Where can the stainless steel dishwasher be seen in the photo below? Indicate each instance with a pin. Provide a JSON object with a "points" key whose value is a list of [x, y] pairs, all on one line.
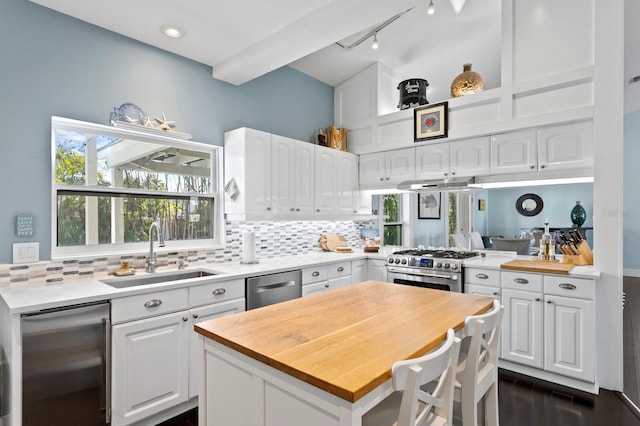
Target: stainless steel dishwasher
{"points": [[65, 366], [266, 290]]}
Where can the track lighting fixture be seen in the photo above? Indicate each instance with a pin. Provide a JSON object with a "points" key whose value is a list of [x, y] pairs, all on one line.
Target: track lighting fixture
{"points": [[431, 9], [375, 44]]}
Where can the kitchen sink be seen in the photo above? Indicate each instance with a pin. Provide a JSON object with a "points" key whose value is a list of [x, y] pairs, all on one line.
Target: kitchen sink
{"points": [[155, 278]]}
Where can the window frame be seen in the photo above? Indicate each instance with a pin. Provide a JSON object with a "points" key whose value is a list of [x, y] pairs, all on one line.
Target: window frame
{"points": [[215, 192]]}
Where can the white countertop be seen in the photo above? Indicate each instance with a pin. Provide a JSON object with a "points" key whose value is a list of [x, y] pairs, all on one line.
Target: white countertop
{"points": [[493, 260], [37, 296]]}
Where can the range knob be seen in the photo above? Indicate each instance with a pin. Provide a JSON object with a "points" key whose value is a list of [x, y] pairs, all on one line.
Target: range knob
{"points": [[397, 261], [390, 260], [439, 265], [404, 261], [446, 266], [454, 266]]}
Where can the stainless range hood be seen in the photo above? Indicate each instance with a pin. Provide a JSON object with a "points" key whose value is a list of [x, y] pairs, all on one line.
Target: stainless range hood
{"points": [[451, 184]]}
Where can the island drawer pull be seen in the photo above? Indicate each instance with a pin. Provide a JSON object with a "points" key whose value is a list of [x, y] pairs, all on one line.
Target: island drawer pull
{"points": [[153, 303], [521, 280], [340, 269], [315, 274], [219, 291], [567, 286], [482, 276]]}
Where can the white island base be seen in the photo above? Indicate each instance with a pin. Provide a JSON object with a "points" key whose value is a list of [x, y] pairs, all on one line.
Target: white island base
{"points": [[237, 390]]}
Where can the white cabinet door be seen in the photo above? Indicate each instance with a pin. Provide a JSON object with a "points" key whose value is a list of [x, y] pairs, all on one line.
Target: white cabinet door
{"points": [[304, 178], [150, 366], [522, 327], [372, 169], [568, 146], [400, 166], [282, 175], [319, 287], [377, 270], [569, 337], [339, 282], [433, 161], [325, 181], [514, 152], [470, 157], [358, 271], [247, 159], [196, 345], [346, 191]]}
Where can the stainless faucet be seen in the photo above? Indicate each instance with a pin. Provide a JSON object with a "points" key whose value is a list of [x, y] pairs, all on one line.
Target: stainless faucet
{"points": [[152, 260]]}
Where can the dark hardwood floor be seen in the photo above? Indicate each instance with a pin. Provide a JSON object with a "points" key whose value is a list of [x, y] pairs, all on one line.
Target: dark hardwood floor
{"points": [[530, 402]]}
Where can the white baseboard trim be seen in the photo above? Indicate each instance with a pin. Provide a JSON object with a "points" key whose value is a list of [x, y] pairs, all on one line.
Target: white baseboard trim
{"points": [[592, 388], [631, 273]]}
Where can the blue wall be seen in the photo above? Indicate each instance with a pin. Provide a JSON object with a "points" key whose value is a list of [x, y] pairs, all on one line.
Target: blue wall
{"points": [[631, 199], [56, 65], [558, 200]]}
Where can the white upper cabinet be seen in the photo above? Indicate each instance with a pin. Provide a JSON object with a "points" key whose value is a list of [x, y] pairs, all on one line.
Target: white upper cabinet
{"points": [[247, 160], [463, 158], [283, 178], [387, 169], [514, 152], [568, 146]]}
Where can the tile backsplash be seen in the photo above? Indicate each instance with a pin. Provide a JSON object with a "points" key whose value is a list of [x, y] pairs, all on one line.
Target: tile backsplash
{"points": [[273, 239]]}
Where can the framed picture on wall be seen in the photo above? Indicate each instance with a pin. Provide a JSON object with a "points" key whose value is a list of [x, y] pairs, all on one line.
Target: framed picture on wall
{"points": [[429, 205], [430, 122]]}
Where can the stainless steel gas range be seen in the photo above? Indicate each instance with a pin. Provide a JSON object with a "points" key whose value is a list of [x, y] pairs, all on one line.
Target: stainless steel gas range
{"points": [[430, 268]]}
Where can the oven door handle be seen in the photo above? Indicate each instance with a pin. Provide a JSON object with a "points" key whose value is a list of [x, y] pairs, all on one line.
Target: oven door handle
{"points": [[401, 271]]}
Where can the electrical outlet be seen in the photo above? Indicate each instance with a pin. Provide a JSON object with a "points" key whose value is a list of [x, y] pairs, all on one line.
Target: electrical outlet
{"points": [[26, 252]]}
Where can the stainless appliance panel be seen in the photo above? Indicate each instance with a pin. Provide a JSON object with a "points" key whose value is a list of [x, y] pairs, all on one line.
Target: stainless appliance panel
{"points": [[65, 366], [435, 281], [266, 290]]}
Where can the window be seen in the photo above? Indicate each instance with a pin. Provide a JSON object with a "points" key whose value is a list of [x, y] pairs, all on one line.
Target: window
{"points": [[109, 184], [392, 219]]}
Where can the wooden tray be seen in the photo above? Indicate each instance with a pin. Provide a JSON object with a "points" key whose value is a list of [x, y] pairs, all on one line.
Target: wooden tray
{"points": [[540, 266]]}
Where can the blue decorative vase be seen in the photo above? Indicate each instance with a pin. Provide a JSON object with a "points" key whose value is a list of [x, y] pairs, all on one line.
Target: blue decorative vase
{"points": [[578, 215]]}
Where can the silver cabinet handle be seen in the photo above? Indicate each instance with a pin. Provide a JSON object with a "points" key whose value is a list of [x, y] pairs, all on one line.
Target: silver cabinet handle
{"points": [[542, 166], [340, 269], [521, 280], [549, 301], [297, 210], [292, 209], [185, 319], [267, 287], [482, 276], [537, 299], [317, 210], [567, 286], [326, 285], [381, 178], [495, 293], [195, 315], [453, 173], [532, 167], [153, 303], [315, 274], [268, 208], [219, 291]]}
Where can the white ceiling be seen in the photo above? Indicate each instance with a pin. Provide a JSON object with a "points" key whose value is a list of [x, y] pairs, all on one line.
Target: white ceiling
{"points": [[243, 39]]}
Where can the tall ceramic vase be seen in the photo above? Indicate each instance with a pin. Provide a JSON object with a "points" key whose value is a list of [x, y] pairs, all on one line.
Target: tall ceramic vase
{"points": [[578, 215]]}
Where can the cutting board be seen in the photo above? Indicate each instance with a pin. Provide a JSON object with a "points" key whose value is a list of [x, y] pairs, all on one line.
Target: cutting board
{"points": [[540, 266]]}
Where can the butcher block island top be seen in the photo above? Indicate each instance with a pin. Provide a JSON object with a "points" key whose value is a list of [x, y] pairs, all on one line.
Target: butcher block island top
{"points": [[345, 341]]}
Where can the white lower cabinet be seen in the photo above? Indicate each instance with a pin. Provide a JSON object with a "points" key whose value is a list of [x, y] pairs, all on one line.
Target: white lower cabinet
{"points": [[377, 270], [321, 278], [155, 364], [551, 327], [358, 271], [150, 366]]}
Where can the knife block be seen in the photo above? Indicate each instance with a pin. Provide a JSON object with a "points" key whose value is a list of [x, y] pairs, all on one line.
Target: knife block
{"points": [[584, 258]]}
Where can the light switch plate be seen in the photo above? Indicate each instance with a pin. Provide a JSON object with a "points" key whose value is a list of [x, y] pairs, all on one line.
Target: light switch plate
{"points": [[26, 252]]}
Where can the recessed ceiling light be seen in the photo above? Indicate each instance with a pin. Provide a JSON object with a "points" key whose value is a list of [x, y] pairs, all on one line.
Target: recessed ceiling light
{"points": [[172, 31]]}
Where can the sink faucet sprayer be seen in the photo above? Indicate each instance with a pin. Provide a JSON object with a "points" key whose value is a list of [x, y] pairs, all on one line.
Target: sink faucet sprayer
{"points": [[152, 260]]}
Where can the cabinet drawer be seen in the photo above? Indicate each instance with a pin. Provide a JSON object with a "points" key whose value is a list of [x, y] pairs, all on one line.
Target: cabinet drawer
{"points": [[216, 292], [521, 281], [148, 305], [482, 290], [571, 287], [481, 276], [336, 270], [315, 274]]}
